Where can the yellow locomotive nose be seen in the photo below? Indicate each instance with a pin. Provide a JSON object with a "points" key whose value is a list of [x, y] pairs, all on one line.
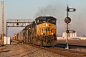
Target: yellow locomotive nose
{"points": [[46, 29]]}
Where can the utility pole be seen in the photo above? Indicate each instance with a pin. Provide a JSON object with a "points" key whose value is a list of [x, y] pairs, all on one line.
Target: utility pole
{"points": [[3, 21]]}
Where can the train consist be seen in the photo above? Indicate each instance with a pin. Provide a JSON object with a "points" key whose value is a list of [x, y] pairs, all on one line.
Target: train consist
{"points": [[41, 32]]}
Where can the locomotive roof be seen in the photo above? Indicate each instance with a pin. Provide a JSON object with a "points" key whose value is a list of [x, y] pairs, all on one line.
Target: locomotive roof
{"points": [[45, 17]]}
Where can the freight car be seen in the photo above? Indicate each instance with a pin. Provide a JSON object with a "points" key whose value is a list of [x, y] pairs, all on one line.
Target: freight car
{"points": [[41, 32]]}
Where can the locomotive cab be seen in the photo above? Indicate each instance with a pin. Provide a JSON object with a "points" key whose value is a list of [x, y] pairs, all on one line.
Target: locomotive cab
{"points": [[46, 26]]}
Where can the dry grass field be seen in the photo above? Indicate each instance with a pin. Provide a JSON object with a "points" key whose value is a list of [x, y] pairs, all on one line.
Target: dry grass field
{"points": [[79, 45]]}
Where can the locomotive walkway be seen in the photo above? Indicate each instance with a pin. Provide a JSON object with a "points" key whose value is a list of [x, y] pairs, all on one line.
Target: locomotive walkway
{"points": [[22, 50]]}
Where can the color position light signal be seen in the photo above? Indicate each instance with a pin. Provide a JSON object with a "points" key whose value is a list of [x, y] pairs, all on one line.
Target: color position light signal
{"points": [[67, 20]]}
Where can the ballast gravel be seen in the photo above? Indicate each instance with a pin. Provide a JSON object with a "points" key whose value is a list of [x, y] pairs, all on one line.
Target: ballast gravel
{"points": [[22, 50]]}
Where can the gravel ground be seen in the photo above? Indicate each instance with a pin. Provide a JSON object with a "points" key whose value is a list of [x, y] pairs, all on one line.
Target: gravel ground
{"points": [[79, 49], [23, 50]]}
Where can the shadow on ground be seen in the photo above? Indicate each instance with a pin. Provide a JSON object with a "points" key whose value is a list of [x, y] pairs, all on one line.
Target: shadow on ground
{"points": [[4, 51], [70, 46], [2, 45]]}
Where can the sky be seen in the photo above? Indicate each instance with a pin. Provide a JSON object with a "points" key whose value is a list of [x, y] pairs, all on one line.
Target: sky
{"points": [[31, 9]]}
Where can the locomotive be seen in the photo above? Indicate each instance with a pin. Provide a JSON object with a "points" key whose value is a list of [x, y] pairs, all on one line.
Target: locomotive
{"points": [[41, 32]]}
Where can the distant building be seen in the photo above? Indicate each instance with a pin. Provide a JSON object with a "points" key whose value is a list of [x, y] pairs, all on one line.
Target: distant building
{"points": [[71, 34], [64, 34]]}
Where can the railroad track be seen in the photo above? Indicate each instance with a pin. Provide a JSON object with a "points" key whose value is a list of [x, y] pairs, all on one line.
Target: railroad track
{"points": [[64, 52]]}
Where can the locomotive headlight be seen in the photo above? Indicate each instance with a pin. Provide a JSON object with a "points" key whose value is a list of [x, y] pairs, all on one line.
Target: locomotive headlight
{"points": [[29, 28], [46, 24], [52, 33], [41, 33]]}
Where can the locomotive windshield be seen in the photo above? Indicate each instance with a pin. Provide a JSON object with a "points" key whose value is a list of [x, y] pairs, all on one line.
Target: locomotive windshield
{"points": [[51, 20], [46, 19], [41, 20]]}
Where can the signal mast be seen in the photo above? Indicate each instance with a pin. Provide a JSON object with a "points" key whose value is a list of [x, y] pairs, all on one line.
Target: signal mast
{"points": [[67, 21]]}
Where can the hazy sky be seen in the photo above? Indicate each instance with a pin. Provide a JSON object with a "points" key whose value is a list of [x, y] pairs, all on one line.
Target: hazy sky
{"points": [[30, 9]]}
